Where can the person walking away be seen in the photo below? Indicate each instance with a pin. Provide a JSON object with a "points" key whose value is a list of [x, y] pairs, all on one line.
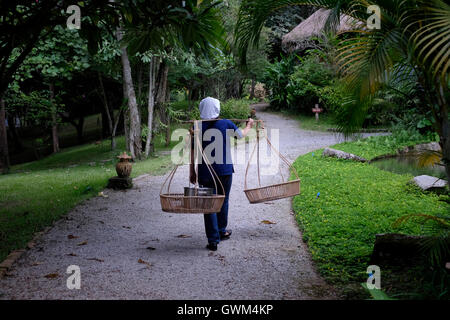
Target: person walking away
{"points": [[216, 223]]}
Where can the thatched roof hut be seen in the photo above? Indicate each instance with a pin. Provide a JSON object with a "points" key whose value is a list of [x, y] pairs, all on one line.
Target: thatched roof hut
{"points": [[300, 37]]}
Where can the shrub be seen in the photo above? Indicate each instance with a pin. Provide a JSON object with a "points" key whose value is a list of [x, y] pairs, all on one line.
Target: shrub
{"points": [[276, 79], [313, 82], [332, 97], [230, 109], [180, 105], [234, 108]]}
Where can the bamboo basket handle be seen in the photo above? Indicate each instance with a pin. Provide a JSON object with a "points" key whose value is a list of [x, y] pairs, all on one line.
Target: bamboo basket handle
{"points": [[251, 157], [171, 174], [208, 164], [248, 165], [291, 167], [196, 153]]}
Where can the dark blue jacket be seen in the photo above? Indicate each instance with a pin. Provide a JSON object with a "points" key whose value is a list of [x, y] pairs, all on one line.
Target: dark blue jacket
{"points": [[227, 130]]}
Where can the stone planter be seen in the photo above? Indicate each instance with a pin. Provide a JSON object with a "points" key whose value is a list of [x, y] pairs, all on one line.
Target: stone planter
{"points": [[124, 167]]}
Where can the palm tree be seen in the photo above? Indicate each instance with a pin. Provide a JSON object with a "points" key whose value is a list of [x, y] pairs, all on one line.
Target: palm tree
{"points": [[414, 37], [158, 26]]}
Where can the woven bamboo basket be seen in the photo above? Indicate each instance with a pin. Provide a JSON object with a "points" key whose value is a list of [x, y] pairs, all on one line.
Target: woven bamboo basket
{"points": [[179, 203], [275, 191]]}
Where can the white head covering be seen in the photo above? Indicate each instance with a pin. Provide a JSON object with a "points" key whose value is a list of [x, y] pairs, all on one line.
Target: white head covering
{"points": [[209, 108]]}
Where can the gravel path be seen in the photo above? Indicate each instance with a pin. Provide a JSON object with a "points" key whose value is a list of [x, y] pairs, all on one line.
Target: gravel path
{"points": [[127, 248]]}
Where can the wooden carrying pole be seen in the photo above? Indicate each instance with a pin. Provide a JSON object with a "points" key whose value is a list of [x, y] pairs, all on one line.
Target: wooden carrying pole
{"points": [[234, 120]]}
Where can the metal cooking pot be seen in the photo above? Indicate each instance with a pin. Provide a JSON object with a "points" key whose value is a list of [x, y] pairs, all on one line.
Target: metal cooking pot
{"points": [[200, 191]]}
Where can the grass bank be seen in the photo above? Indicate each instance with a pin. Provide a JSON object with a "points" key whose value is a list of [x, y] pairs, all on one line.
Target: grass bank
{"points": [[356, 202], [376, 146], [38, 193]]}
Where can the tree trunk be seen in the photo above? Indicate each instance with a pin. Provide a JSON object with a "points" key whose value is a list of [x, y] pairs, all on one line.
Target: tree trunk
{"points": [[151, 102], [4, 154], [14, 135], [135, 140], [108, 112], [139, 81], [168, 130], [54, 120], [161, 97], [252, 90], [189, 98], [79, 128], [233, 88], [126, 121], [113, 133]]}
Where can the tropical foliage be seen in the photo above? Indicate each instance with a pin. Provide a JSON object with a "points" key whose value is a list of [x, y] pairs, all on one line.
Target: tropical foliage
{"points": [[413, 38]]}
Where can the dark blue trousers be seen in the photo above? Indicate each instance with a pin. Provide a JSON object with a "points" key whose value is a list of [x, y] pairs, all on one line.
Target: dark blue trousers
{"points": [[216, 223]]}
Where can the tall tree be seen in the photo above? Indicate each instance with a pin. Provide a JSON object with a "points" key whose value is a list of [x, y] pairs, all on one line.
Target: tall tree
{"points": [[24, 23], [159, 25], [57, 58], [134, 129], [4, 154], [153, 70]]}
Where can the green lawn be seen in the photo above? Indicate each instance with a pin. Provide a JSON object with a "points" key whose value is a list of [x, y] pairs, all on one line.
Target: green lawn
{"points": [[309, 123], [357, 201], [37, 193]]}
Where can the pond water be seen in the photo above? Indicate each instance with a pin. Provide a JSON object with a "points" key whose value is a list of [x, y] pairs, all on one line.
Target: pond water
{"points": [[409, 164]]}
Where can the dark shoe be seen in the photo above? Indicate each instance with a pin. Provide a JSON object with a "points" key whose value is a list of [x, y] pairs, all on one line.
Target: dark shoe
{"points": [[212, 246], [226, 235]]}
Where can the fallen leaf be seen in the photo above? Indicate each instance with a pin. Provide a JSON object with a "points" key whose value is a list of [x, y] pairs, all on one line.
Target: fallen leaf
{"points": [[145, 262], [101, 194], [52, 276], [36, 264], [96, 259], [76, 188], [83, 243], [183, 236], [268, 222], [71, 236]]}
